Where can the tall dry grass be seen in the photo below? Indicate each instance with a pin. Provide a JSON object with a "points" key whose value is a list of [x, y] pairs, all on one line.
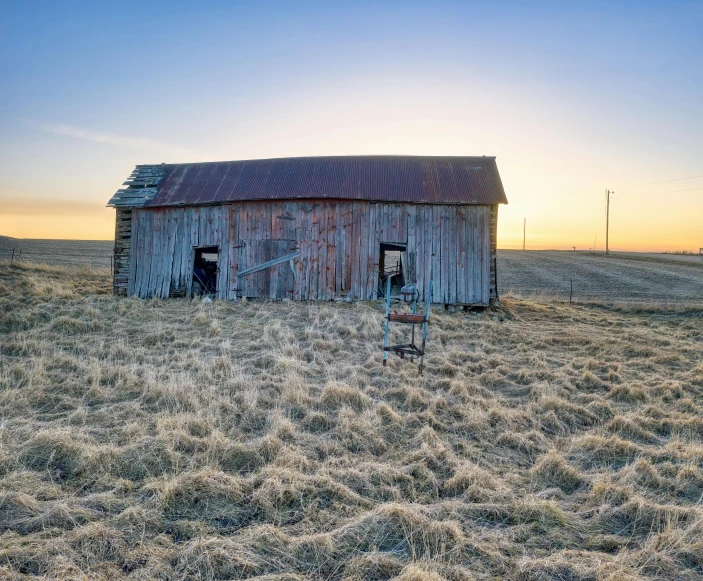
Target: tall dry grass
{"points": [[180, 440]]}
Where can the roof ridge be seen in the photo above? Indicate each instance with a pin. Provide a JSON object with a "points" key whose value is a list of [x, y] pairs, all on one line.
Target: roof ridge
{"points": [[426, 179], [363, 156]]}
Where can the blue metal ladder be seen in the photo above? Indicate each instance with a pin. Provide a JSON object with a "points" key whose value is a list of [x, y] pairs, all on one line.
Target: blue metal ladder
{"points": [[409, 295]]}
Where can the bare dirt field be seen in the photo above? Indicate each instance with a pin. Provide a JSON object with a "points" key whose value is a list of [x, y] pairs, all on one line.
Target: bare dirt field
{"points": [[90, 253], [621, 276], [187, 441]]}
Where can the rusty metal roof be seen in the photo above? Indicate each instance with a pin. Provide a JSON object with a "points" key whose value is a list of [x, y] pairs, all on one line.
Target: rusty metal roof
{"points": [[391, 178]]}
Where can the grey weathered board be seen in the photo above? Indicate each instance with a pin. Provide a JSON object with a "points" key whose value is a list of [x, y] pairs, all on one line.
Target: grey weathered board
{"points": [[338, 241]]}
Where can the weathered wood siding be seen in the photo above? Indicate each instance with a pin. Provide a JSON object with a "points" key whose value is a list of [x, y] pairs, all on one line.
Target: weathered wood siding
{"points": [[339, 242], [121, 250]]}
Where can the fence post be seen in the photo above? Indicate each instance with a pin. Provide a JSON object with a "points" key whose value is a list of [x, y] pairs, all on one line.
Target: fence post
{"points": [[571, 290], [12, 260]]}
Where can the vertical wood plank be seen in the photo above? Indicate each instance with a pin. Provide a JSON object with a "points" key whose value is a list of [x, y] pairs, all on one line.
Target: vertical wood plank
{"points": [[485, 253], [224, 260], [331, 229], [354, 251], [371, 252], [338, 250], [133, 253], [185, 248], [178, 249], [232, 244], [299, 263], [322, 251], [170, 252], [437, 294], [346, 248], [377, 228], [153, 254], [445, 254], [420, 251], [364, 208], [475, 257], [452, 244], [314, 251], [460, 255]]}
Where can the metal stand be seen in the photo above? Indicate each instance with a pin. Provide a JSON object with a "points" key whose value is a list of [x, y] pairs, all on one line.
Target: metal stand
{"points": [[409, 294]]}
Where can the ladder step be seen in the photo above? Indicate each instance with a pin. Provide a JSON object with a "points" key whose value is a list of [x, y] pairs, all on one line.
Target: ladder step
{"points": [[406, 318]]}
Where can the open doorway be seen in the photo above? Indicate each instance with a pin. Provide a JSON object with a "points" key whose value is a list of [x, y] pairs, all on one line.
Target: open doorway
{"points": [[391, 265], [205, 270]]}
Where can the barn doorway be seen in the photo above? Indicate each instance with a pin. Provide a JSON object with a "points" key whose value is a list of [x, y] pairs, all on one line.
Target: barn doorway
{"points": [[205, 259], [391, 263]]}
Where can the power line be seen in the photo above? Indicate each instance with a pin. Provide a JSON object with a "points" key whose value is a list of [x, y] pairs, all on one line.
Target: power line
{"points": [[669, 181], [658, 193]]}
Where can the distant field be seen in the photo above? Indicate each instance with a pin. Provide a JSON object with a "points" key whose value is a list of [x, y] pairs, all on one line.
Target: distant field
{"points": [[622, 276], [94, 253]]}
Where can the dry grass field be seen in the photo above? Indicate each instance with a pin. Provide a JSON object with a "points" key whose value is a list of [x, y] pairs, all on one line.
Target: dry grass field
{"points": [[178, 440]]}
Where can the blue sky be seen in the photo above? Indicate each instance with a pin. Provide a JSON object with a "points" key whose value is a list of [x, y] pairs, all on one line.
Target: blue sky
{"points": [[572, 98]]}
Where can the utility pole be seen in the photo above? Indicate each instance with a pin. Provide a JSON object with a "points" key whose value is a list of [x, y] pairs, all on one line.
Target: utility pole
{"points": [[524, 231], [607, 219]]}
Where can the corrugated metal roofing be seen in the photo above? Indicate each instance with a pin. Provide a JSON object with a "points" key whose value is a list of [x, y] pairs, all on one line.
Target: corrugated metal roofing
{"points": [[393, 178]]}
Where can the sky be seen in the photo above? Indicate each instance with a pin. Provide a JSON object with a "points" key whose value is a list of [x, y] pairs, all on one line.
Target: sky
{"points": [[572, 98]]}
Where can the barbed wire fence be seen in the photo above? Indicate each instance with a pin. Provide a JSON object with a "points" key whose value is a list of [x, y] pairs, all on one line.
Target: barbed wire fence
{"points": [[18, 255]]}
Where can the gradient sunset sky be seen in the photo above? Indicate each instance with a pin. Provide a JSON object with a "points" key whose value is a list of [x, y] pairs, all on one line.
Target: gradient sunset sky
{"points": [[572, 98]]}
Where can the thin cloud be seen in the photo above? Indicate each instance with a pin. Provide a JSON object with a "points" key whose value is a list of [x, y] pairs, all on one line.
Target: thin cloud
{"points": [[140, 143]]}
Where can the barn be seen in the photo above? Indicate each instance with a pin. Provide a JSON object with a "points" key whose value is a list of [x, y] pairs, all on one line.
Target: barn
{"points": [[310, 228]]}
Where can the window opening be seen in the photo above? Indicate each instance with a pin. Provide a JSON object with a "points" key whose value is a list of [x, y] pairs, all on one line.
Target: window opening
{"points": [[390, 265], [205, 270]]}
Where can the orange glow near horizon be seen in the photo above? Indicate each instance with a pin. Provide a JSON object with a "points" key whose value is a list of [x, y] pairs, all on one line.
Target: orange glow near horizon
{"points": [[633, 231]]}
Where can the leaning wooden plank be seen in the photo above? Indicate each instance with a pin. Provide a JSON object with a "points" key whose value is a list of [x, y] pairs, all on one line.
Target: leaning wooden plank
{"points": [[269, 264]]}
